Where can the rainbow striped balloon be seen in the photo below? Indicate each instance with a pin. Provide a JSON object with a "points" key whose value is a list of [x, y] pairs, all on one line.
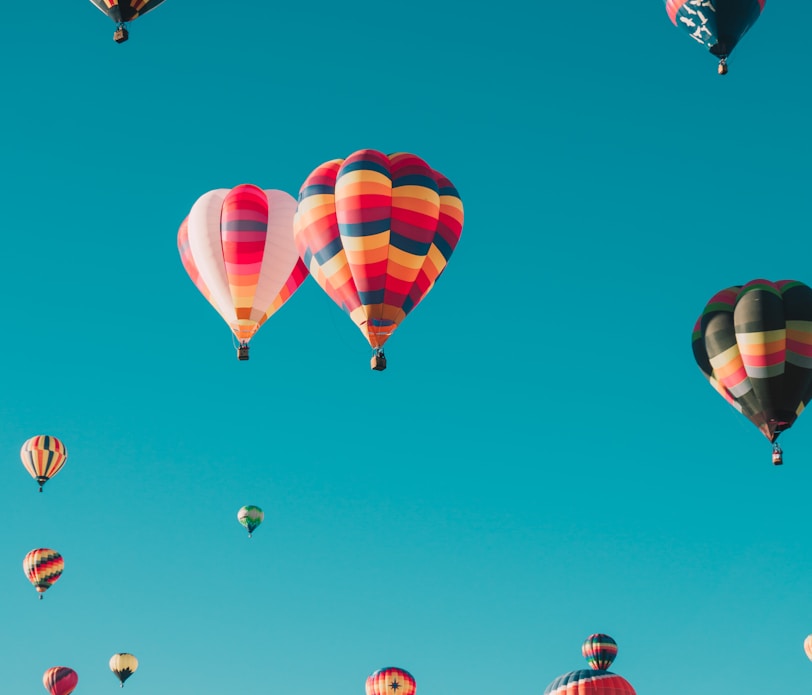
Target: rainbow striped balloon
{"points": [[43, 567], [237, 247], [376, 231], [599, 650], [43, 457], [391, 681]]}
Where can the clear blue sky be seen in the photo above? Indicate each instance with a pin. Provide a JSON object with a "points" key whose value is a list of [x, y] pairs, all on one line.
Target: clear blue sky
{"points": [[541, 460]]}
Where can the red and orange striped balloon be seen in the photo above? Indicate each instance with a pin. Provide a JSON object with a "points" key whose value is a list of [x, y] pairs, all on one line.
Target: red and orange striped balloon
{"points": [[43, 567], [376, 231], [391, 681], [60, 680], [43, 457]]}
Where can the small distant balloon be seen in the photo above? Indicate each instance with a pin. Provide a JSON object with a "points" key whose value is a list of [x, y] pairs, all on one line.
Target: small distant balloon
{"points": [[43, 567], [43, 457], [599, 650], [391, 681], [808, 647], [60, 680], [123, 665], [251, 517]]}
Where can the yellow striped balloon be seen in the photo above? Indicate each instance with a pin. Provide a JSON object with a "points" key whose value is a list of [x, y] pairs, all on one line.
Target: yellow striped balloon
{"points": [[43, 457]]}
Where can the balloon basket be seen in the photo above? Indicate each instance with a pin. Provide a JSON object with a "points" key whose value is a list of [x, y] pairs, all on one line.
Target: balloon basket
{"points": [[242, 353], [378, 362], [120, 35]]}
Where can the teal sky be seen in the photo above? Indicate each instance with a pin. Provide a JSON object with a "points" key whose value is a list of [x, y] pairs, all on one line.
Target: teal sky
{"points": [[541, 460]]}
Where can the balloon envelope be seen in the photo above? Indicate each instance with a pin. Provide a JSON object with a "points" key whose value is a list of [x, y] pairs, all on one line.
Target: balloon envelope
{"points": [[125, 10], [123, 665], [808, 647], [250, 516], [376, 231], [237, 247], [717, 24], [43, 457], [590, 682], [60, 680], [599, 650], [754, 345], [43, 567], [391, 681]]}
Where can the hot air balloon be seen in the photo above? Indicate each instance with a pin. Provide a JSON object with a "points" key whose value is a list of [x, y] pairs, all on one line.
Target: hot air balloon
{"points": [[376, 231], [237, 247], [43, 457], [808, 647], [43, 567], [599, 650], [250, 517], [123, 11], [754, 344], [60, 680], [123, 666], [594, 680], [717, 24], [391, 681]]}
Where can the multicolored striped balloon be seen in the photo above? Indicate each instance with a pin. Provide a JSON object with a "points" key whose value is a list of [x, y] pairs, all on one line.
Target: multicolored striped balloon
{"points": [[43, 457], [599, 650], [376, 231], [391, 681], [716, 24], [60, 680], [754, 345], [250, 516], [43, 567], [237, 247], [123, 665]]}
